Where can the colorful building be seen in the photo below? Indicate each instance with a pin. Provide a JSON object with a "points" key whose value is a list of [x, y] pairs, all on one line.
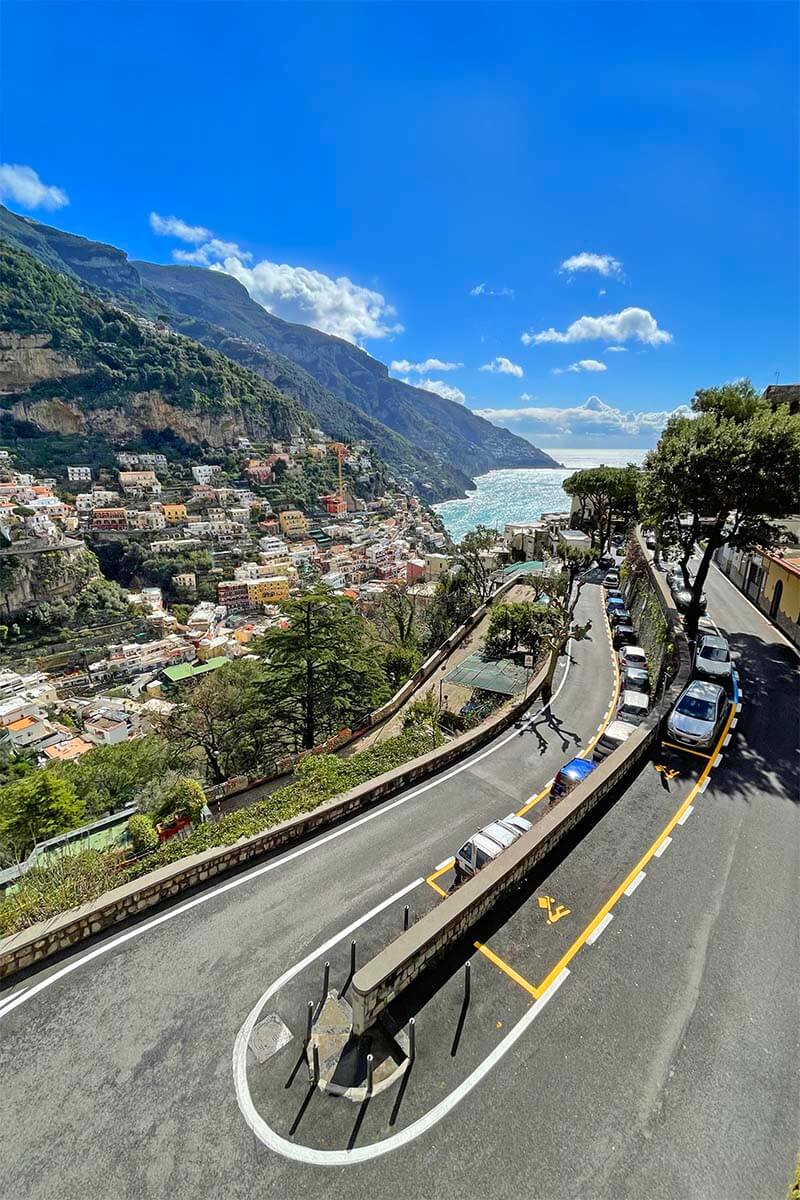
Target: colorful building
{"points": [[272, 590]]}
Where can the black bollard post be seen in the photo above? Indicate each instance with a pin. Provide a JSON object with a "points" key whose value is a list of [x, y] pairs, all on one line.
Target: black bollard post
{"points": [[467, 979], [309, 1020], [326, 978], [412, 1039], [315, 1058], [369, 1075], [352, 959], [405, 918]]}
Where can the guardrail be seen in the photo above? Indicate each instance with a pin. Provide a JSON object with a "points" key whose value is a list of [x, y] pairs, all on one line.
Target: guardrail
{"points": [[28, 946], [404, 960]]}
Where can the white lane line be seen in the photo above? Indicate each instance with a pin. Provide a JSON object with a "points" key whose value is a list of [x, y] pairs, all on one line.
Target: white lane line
{"points": [[631, 888], [727, 739], [339, 1158], [703, 785], [733, 722], [595, 934], [447, 863], [6, 1001], [717, 760], [685, 817], [663, 846], [272, 865]]}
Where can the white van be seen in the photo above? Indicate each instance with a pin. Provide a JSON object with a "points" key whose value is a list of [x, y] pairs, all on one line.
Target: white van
{"points": [[633, 707], [485, 845], [615, 734]]}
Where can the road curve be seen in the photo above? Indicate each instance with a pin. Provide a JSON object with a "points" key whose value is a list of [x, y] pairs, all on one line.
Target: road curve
{"points": [[667, 1067]]}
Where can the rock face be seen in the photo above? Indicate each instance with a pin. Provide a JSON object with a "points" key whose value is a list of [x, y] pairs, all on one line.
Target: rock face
{"points": [[26, 359], [142, 410], [31, 575]]}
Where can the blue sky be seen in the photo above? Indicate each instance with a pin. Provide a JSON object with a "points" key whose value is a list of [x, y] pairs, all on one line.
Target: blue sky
{"points": [[618, 183]]}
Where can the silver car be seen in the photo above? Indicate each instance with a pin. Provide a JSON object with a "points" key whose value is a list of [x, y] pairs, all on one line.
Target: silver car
{"points": [[712, 658], [696, 718]]}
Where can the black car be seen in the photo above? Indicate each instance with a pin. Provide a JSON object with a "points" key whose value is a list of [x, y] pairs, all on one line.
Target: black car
{"points": [[683, 598], [619, 616], [605, 561], [624, 635]]}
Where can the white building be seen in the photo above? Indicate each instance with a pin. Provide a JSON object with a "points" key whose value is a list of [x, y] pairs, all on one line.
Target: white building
{"points": [[97, 498], [79, 474], [205, 472]]}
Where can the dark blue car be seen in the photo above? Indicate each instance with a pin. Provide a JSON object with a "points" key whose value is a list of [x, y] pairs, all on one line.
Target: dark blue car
{"points": [[570, 775]]}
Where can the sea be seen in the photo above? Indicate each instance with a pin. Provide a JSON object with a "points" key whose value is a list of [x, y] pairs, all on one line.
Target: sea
{"points": [[524, 494]]}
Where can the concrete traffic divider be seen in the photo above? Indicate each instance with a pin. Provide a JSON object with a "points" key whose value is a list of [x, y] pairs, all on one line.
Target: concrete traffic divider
{"points": [[404, 960]]}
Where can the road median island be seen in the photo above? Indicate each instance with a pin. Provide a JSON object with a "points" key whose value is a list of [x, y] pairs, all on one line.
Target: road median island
{"points": [[379, 982], [35, 943]]}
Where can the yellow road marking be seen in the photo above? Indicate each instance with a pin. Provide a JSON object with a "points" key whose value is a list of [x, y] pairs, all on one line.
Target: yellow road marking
{"points": [[527, 807], [586, 752], [686, 750], [431, 879], [643, 861], [507, 970]]}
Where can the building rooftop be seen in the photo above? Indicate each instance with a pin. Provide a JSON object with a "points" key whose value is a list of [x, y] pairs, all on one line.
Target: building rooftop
{"points": [[182, 671]]}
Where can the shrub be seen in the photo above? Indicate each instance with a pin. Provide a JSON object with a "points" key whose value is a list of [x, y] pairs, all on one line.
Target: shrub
{"points": [[71, 880], [142, 833]]}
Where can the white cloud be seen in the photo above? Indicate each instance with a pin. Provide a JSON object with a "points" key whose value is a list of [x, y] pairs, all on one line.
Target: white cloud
{"points": [[481, 289], [604, 264], [175, 227], [336, 306], [212, 251], [502, 366], [593, 418], [616, 350], [601, 291], [439, 388], [22, 185], [584, 364], [630, 323], [423, 368]]}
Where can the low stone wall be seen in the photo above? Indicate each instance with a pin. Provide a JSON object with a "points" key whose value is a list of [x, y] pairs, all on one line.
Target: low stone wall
{"points": [[404, 960], [38, 942], [285, 766]]}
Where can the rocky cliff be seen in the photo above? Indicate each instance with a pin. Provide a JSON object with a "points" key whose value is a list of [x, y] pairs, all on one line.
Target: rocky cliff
{"points": [[32, 574]]}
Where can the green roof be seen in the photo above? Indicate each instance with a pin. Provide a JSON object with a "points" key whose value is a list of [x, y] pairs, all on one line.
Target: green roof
{"points": [[183, 671]]}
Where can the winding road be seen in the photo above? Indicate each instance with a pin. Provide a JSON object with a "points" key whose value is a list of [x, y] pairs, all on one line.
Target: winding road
{"points": [[662, 1060]]}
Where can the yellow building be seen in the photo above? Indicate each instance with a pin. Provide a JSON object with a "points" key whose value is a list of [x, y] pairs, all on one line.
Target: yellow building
{"points": [[173, 513], [293, 523], [780, 591], [268, 591]]}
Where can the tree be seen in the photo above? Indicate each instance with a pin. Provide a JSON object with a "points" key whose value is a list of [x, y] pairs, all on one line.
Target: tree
{"points": [[424, 714], [603, 493], [399, 664], [395, 617], [731, 470], [515, 626], [36, 808], [453, 601], [110, 777], [142, 833], [180, 612], [472, 561], [321, 672], [555, 625], [222, 718]]}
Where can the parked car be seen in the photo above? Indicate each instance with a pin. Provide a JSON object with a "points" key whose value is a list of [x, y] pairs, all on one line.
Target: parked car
{"points": [[605, 561], [612, 579], [624, 635], [677, 581], [683, 598], [613, 594], [650, 541], [619, 616], [632, 656], [485, 845], [712, 658], [615, 733], [615, 604], [635, 679], [570, 775], [700, 711], [633, 707]]}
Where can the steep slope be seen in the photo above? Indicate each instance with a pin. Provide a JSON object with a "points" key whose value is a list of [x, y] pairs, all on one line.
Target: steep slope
{"points": [[108, 269], [455, 442], [71, 363], [442, 426]]}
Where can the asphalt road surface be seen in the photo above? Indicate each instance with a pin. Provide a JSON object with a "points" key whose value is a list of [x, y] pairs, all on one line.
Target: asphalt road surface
{"points": [[666, 1063]]}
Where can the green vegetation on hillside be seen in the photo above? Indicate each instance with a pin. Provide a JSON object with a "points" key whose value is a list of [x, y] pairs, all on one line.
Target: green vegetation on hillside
{"points": [[121, 356]]}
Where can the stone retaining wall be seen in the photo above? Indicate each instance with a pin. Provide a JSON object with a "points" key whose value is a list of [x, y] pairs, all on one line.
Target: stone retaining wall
{"points": [[38, 942]]}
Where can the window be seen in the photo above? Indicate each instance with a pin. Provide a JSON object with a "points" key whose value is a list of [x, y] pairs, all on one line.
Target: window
{"points": [[481, 859], [466, 852]]}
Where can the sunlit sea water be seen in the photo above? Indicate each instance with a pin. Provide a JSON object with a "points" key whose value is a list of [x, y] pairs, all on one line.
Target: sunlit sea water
{"points": [[523, 495]]}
